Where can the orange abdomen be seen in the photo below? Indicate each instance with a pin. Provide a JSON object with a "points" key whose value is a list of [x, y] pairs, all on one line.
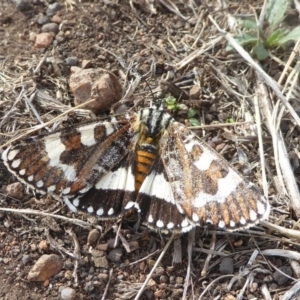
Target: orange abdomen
{"points": [[144, 161]]}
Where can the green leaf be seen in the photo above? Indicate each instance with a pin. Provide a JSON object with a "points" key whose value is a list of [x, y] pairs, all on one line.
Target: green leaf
{"points": [[260, 51], [194, 122], [244, 39], [276, 10], [170, 100], [230, 120], [247, 23], [192, 113], [293, 35], [274, 38]]}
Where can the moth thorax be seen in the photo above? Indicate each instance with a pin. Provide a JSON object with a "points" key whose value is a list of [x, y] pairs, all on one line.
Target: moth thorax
{"points": [[145, 155], [153, 121]]}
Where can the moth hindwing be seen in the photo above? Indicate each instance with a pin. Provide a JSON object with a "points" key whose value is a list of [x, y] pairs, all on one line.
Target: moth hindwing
{"points": [[145, 161]]}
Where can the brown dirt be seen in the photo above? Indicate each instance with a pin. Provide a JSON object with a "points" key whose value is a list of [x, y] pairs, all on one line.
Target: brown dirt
{"points": [[140, 37]]}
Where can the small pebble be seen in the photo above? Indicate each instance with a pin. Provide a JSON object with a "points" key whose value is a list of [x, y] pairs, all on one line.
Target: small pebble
{"points": [[26, 259], [15, 190], [72, 61], [22, 5], [159, 271], [42, 19], [50, 27], [93, 237], [101, 262], [226, 265], [179, 280], [43, 40], [45, 267], [56, 19], [53, 9], [115, 255], [280, 278], [68, 294], [89, 287], [163, 279]]}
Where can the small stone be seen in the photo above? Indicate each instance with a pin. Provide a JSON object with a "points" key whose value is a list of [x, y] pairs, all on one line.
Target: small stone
{"points": [[22, 5], [60, 37], [102, 247], [159, 271], [50, 27], [42, 19], [133, 245], [86, 64], [103, 277], [111, 243], [32, 36], [93, 237], [15, 190], [97, 253], [142, 266], [149, 294], [43, 245], [68, 293], [163, 279], [229, 297], [33, 247], [95, 84], [68, 275], [101, 262], [115, 255], [53, 9], [56, 19], [159, 294], [72, 61], [195, 92], [226, 265], [43, 40], [179, 280], [253, 287], [89, 287], [26, 259], [45, 267], [279, 277]]}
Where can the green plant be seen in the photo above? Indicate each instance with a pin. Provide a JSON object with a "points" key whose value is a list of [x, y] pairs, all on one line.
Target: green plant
{"points": [[191, 117], [172, 104], [272, 35]]}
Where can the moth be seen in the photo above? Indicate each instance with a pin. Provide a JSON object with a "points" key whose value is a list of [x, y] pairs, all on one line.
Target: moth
{"points": [[144, 161]]}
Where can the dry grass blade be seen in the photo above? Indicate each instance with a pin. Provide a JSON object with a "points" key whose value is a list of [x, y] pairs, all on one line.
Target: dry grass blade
{"points": [[107, 285], [261, 146], [283, 253], [291, 233], [139, 294], [195, 54], [284, 170], [191, 241], [173, 8], [291, 292], [77, 222], [265, 291], [201, 297]]}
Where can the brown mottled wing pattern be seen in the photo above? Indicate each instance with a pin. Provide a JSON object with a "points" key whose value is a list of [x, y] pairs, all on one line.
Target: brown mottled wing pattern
{"points": [[69, 162], [205, 186]]}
